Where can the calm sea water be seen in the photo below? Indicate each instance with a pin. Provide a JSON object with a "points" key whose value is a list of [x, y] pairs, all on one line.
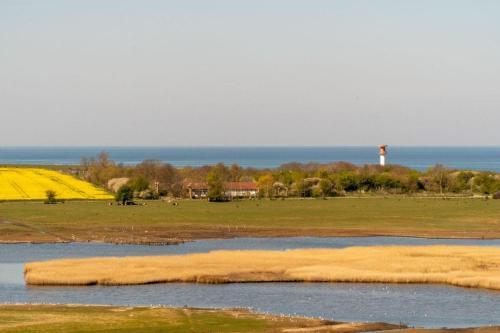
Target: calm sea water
{"points": [[477, 158], [418, 305]]}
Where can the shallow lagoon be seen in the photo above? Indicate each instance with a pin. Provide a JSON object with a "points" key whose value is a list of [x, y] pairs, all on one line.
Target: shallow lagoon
{"points": [[417, 305]]}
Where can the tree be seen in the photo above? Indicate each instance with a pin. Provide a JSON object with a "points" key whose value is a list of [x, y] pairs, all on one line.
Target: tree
{"points": [[412, 182], [265, 185], [125, 194], [326, 187], [349, 182], [439, 176], [385, 181], [298, 180], [51, 197], [486, 183], [168, 178], [366, 182], [101, 169], [462, 182], [235, 172], [139, 183], [284, 176], [215, 181]]}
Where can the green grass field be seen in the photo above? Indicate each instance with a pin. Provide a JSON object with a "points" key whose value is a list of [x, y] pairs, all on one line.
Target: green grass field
{"points": [[160, 221], [81, 319], [107, 319]]}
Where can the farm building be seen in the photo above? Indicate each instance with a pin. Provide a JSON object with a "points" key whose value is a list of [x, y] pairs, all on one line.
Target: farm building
{"points": [[196, 190], [241, 189], [199, 190]]}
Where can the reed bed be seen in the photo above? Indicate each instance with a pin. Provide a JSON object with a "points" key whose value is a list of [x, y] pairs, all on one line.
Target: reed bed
{"points": [[465, 266]]}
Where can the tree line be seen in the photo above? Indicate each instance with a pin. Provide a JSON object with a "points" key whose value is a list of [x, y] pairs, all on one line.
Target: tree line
{"points": [[151, 179]]}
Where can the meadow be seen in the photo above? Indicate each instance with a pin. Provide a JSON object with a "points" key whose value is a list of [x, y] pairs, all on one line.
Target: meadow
{"points": [[93, 319], [71, 318], [159, 221], [32, 184], [464, 266]]}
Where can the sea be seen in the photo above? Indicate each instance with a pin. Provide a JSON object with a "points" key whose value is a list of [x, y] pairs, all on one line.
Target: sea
{"points": [[416, 157]]}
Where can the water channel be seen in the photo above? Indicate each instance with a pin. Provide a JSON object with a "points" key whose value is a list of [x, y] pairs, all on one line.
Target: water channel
{"points": [[416, 305]]}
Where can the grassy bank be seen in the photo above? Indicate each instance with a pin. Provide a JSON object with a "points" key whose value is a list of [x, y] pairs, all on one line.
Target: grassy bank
{"points": [[455, 265], [90, 319], [162, 222], [63, 318]]}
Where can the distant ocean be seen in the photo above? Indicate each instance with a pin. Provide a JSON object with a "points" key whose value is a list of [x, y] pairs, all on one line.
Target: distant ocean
{"points": [[477, 158]]}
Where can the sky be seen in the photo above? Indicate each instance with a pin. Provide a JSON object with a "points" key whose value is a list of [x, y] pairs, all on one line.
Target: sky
{"points": [[249, 72]]}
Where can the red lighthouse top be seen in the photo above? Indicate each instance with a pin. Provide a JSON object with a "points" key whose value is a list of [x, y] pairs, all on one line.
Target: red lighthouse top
{"points": [[383, 150]]}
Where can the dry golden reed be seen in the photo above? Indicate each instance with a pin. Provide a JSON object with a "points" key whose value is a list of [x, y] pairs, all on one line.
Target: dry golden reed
{"points": [[464, 266]]}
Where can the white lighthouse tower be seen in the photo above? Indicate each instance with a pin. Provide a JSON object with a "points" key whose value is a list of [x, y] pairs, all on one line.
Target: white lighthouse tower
{"points": [[382, 153]]}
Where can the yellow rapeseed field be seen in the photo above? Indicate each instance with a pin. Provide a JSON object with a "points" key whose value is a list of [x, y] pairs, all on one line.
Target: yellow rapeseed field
{"points": [[466, 266], [32, 184]]}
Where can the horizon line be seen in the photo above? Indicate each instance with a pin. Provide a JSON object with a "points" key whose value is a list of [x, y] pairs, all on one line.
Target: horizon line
{"points": [[243, 146]]}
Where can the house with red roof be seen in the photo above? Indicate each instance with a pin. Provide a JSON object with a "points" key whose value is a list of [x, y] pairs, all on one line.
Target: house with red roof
{"points": [[233, 190], [241, 189]]}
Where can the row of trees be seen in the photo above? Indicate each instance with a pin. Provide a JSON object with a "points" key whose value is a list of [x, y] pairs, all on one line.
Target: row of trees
{"points": [[292, 179]]}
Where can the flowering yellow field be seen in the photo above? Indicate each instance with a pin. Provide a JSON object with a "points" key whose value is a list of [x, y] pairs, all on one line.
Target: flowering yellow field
{"points": [[32, 183]]}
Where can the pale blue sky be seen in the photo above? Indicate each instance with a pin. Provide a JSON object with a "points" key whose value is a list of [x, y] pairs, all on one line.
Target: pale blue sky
{"points": [[232, 72]]}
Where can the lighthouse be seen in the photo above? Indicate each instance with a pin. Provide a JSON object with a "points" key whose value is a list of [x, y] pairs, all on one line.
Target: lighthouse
{"points": [[382, 153]]}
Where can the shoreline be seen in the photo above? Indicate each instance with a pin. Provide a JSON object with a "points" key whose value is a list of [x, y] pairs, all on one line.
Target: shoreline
{"points": [[218, 234], [173, 243], [292, 235], [161, 317], [68, 315]]}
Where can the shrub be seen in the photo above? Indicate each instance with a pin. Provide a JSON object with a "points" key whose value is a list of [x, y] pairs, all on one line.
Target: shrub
{"points": [[349, 182], [147, 195], [51, 197], [139, 183], [486, 183], [326, 187], [462, 182], [124, 195]]}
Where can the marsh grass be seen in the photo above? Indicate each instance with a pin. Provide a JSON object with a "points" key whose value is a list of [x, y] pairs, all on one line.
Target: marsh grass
{"points": [[464, 266]]}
